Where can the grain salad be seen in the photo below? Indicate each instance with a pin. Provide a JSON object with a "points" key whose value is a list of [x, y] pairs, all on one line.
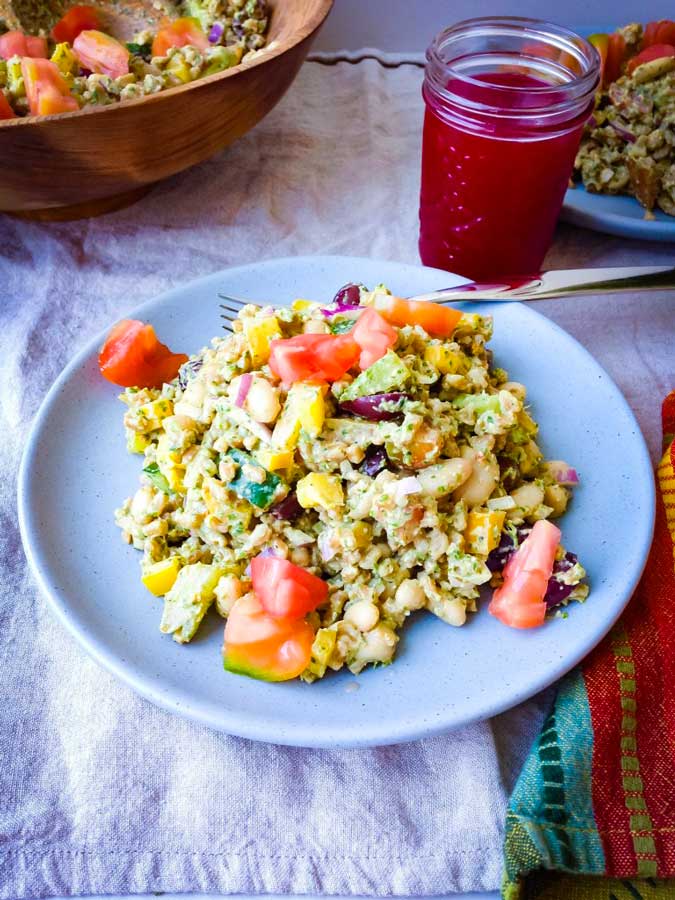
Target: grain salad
{"points": [[628, 147], [404, 480], [78, 64]]}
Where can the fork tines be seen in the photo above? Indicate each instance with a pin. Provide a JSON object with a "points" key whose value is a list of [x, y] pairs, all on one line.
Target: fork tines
{"points": [[231, 309]]}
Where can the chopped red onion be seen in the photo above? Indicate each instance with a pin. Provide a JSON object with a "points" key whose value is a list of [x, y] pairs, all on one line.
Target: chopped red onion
{"points": [[327, 546], [623, 133], [376, 407], [562, 472], [216, 32], [245, 383], [340, 308]]}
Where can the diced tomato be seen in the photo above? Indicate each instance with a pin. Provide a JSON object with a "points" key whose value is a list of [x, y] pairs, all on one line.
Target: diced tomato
{"points": [[612, 50], [616, 54], [519, 602], [6, 111], [101, 53], [435, 319], [16, 43], [132, 356], [661, 32], [179, 33], [77, 19], [262, 646], [656, 51], [284, 589], [374, 335], [46, 89], [313, 357]]}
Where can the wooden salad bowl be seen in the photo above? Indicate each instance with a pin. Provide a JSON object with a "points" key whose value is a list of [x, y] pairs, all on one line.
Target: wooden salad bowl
{"points": [[99, 159]]}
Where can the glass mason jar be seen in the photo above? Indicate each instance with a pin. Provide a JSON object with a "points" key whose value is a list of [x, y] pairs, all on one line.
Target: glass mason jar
{"points": [[506, 102]]}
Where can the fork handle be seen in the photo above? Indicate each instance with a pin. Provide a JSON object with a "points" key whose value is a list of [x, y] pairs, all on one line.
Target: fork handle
{"points": [[562, 283]]}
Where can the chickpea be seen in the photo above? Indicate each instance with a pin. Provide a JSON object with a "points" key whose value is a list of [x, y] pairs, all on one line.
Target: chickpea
{"points": [[300, 556], [380, 644], [228, 590], [528, 496], [262, 401], [409, 595], [453, 612], [363, 615], [516, 388], [557, 497]]}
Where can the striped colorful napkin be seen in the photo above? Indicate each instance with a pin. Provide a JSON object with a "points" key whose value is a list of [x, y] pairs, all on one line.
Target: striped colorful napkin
{"points": [[593, 812]]}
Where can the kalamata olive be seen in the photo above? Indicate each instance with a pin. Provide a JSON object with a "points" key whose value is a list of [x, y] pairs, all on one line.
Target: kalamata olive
{"points": [[287, 509], [375, 461], [558, 591], [348, 295]]}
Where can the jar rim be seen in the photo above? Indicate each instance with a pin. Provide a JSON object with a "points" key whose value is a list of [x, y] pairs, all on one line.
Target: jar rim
{"points": [[564, 94]]}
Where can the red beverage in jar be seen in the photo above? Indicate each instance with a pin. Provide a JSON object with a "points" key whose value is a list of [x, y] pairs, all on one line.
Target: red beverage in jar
{"points": [[506, 102]]}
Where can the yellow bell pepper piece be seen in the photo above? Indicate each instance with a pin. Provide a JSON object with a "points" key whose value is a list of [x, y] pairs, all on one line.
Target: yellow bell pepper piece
{"points": [[166, 454], [303, 305], [66, 61], [168, 461], [308, 400], [159, 577], [445, 360], [322, 650], [259, 333], [272, 460], [151, 414], [484, 530], [305, 408], [320, 491], [136, 443], [178, 68]]}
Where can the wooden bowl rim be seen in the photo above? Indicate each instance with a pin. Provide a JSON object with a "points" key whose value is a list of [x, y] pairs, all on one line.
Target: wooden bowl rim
{"points": [[319, 14]]}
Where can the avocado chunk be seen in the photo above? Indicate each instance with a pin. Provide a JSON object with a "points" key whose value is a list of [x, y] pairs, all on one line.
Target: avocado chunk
{"points": [[186, 604], [387, 374]]}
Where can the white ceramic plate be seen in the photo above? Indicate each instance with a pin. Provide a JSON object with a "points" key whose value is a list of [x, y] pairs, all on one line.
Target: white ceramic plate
{"points": [[75, 471], [616, 215]]}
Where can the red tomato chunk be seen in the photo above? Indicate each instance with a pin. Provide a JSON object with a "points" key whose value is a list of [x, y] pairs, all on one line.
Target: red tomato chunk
{"points": [[284, 589], [132, 356]]}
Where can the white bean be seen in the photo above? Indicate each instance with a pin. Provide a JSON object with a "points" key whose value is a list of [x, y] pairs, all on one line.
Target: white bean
{"points": [[444, 477], [484, 478]]}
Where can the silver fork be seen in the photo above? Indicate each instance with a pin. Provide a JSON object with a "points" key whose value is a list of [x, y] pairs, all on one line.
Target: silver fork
{"points": [[544, 286]]}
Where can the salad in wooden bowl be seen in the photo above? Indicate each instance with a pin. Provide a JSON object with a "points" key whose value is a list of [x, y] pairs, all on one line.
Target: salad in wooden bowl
{"points": [[97, 103]]}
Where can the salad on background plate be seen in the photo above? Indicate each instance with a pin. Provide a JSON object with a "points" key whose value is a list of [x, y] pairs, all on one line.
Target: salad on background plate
{"points": [[319, 474], [628, 147]]}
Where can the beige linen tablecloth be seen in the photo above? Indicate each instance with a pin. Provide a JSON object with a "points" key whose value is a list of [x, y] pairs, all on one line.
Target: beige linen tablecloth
{"points": [[103, 793]]}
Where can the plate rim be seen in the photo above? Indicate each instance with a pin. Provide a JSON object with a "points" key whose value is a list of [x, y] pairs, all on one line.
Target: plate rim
{"points": [[311, 735], [642, 229]]}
